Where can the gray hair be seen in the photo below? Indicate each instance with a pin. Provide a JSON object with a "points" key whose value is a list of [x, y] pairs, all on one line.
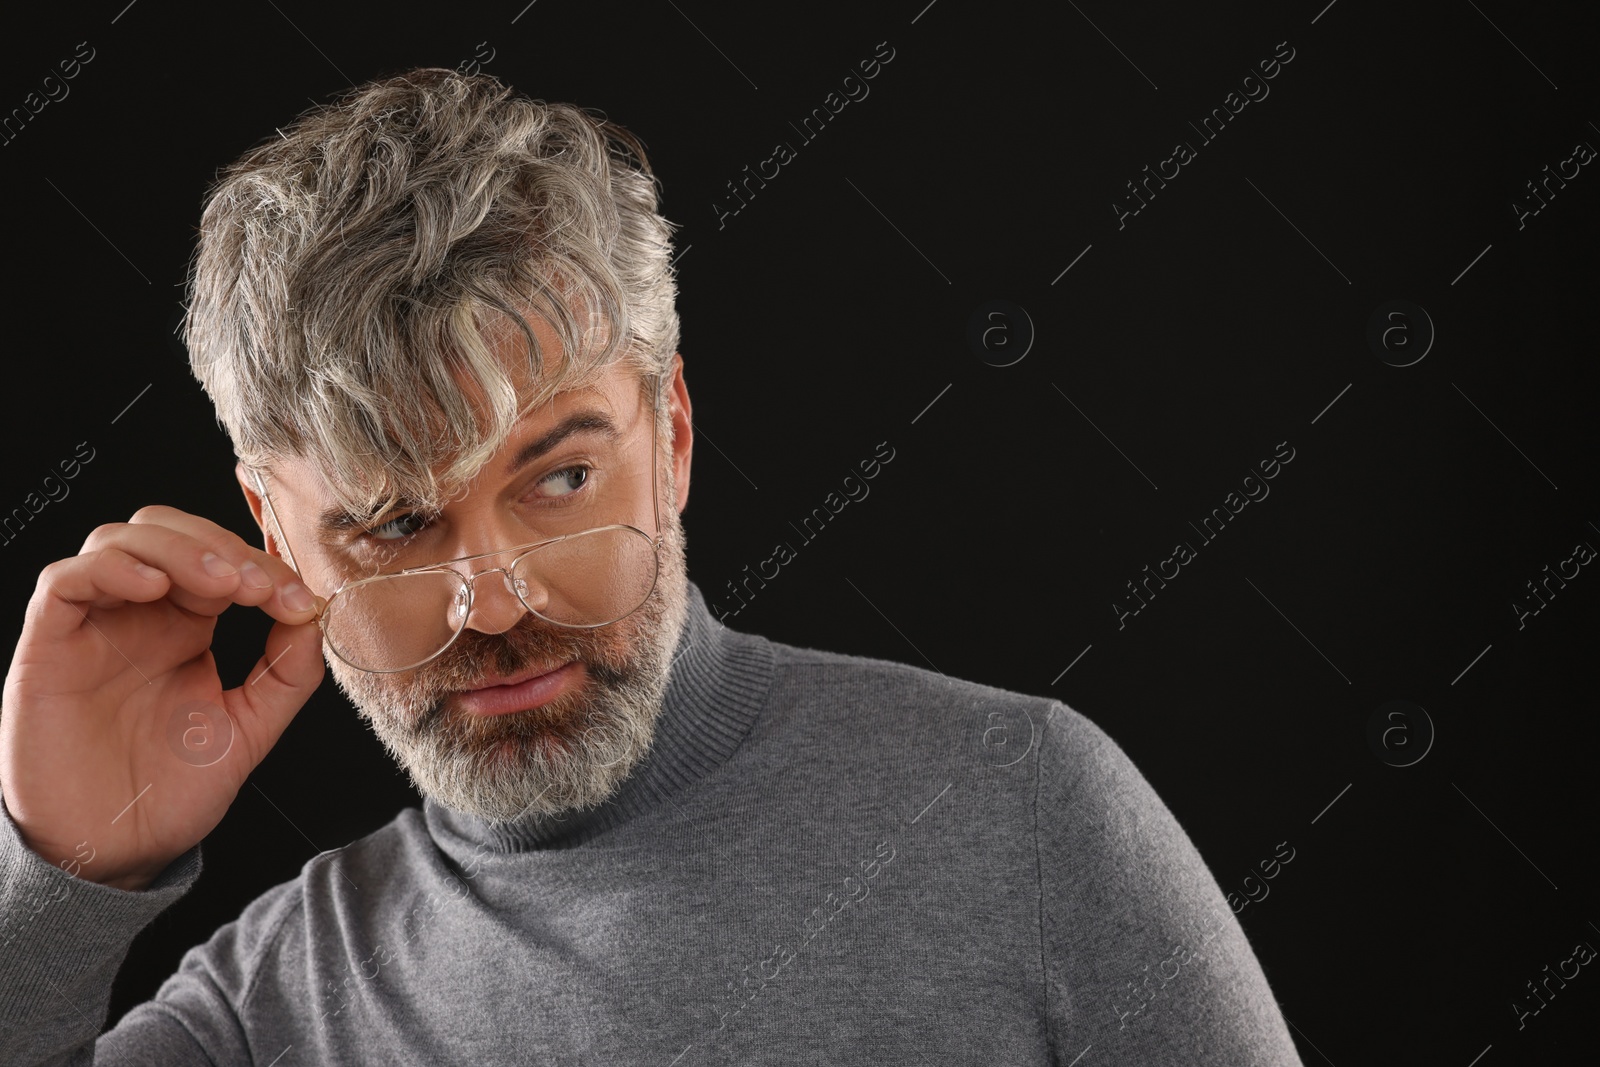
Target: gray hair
{"points": [[355, 272]]}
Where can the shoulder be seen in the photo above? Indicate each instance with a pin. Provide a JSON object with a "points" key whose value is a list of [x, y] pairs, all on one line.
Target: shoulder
{"points": [[837, 684], [899, 717], [1082, 760], [330, 893], [1106, 828], [914, 706]]}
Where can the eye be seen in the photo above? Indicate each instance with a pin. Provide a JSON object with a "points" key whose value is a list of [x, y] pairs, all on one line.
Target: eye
{"points": [[563, 483], [398, 528], [567, 481]]}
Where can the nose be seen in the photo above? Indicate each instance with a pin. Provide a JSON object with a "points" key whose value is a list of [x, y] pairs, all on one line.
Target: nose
{"points": [[496, 606]]}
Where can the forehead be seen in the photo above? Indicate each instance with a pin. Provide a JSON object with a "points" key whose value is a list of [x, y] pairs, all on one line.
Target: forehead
{"points": [[602, 409]]}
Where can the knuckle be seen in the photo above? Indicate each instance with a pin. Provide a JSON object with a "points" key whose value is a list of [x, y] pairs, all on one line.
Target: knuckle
{"points": [[50, 574], [97, 562], [100, 535], [54, 575], [151, 513]]}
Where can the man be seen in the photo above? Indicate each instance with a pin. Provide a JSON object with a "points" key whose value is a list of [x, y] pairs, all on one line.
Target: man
{"points": [[437, 322]]}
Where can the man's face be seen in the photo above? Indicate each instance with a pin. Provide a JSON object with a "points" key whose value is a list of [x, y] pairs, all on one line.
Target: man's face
{"points": [[576, 745]]}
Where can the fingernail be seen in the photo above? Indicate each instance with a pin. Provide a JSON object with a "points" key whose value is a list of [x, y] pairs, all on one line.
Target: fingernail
{"points": [[148, 572], [298, 598], [254, 576], [216, 566]]}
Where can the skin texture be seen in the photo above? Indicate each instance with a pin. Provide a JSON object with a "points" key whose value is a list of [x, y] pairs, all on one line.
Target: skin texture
{"points": [[572, 752]]}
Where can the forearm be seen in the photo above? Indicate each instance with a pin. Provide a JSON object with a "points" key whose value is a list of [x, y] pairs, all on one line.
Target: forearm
{"points": [[62, 940]]}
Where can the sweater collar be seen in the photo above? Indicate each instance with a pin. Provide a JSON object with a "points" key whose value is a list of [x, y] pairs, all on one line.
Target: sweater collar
{"points": [[717, 686]]}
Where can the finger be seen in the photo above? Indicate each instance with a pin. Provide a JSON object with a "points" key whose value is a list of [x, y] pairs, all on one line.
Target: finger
{"points": [[219, 539], [282, 680], [207, 576], [108, 578], [265, 580], [274, 602]]}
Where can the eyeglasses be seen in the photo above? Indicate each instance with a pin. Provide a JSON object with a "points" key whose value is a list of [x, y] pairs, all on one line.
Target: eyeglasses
{"points": [[395, 622]]}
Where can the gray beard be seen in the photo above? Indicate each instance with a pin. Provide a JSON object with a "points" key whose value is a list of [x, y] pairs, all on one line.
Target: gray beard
{"points": [[570, 754]]}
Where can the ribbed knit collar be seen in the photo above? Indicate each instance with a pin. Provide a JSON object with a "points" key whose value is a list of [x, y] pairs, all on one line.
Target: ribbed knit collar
{"points": [[716, 688]]}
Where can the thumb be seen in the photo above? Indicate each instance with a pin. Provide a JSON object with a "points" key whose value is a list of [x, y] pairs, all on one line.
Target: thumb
{"points": [[280, 683]]}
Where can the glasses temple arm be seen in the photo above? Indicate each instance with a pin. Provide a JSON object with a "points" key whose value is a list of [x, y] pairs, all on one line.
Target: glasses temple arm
{"points": [[655, 454], [277, 525]]}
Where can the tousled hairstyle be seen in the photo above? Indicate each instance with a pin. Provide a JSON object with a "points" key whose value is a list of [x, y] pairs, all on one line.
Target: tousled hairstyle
{"points": [[356, 272]]}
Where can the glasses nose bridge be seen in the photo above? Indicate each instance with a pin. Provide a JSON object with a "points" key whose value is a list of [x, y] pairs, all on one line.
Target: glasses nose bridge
{"points": [[511, 582]]}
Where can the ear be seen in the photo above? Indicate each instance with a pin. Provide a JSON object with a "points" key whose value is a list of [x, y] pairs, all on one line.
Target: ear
{"points": [[252, 497], [682, 416]]}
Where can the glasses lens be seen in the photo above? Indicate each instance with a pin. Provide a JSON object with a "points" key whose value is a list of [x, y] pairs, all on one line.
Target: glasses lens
{"points": [[588, 579], [399, 621]]}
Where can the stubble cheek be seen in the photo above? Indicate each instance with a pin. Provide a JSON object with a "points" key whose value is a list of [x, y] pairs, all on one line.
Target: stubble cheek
{"points": [[388, 707]]}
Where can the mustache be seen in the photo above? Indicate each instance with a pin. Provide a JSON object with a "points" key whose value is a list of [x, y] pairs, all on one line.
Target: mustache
{"points": [[475, 655]]}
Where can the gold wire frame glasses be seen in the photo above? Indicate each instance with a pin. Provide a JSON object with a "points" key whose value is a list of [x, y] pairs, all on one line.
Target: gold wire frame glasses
{"points": [[384, 624]]}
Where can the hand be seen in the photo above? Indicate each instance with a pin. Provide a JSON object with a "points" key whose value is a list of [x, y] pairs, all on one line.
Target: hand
{"points": [[115, 641]]}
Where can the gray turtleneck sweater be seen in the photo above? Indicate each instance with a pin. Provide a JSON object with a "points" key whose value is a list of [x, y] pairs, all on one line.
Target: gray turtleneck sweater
{"points": [[823, 859]]}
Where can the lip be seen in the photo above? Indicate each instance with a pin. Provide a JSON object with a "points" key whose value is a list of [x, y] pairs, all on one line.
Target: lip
{"points": [[530, 690]]}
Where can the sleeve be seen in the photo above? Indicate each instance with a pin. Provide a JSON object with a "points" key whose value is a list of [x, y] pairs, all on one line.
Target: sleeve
{"points": [[62, 941], [1145, 962]]}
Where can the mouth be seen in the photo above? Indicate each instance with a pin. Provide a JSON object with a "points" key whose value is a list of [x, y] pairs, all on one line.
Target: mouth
{"points": [[529, 689]]}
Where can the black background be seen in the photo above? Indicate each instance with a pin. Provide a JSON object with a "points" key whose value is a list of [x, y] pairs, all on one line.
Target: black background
{"points": [[832, 314]]}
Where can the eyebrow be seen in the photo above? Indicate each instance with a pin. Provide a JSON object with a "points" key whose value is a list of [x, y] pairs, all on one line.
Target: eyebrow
{"points": [[586, 421]]}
